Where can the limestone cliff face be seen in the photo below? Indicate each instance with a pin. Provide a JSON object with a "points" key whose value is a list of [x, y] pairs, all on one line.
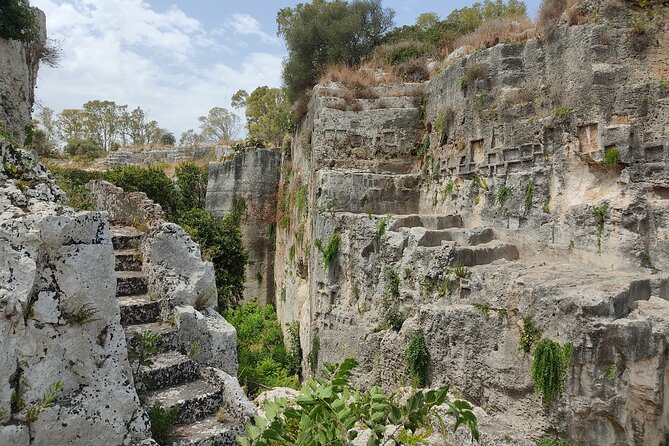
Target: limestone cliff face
{"points": [[61, 320], [18, 75], [510, 182]]}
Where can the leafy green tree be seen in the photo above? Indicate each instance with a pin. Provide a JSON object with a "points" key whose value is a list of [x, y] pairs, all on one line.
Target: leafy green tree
{"points": [[219, 125], [268, 113], [152, 181], [192, 183], [264, 361], [331, 411], [221, 242], [18, 21], [38, 141], [325, 32], [167, 138], [102, 122], [84, 149], [71, 124], [190, 138]]}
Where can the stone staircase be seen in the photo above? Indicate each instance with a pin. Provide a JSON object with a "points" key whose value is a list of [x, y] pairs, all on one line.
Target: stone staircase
{"points": [[172, 378]]}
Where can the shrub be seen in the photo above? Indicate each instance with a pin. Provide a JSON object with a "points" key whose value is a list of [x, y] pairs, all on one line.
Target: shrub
{"points": [[192, 184], [550, 12], [392, 316], [549, 369], [295, 347], [221, 242], [473, 72], [563, 112], [417, 359], [331, 250], [162, 423], [413, 70], [264, 361], [84, 149], [152, 181], [73, 181], [501, 30], [612, 156], [18, 21], [313, 353], [329, 410], [46, 401]]}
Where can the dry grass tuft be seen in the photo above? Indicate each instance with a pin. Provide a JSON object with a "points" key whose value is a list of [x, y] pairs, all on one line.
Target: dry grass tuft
{"points": [[551, 11], [413, 70], [503, 30]]}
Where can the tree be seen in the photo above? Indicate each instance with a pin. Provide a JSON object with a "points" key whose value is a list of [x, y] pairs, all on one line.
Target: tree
{"points": [[192, 183], [84, 149], [71, 124], [167, 138], [427, 20], [328, 32], [18, 21], [268, 113], [190, 138], [102, 122], [219, 125], [38, 141]]}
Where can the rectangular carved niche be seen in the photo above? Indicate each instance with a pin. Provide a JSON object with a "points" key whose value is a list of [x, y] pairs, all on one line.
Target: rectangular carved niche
{"points": [[477, 156], [588, 138]]}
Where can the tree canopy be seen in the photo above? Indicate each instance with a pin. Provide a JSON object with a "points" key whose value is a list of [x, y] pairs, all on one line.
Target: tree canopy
{"points": [[219, 125], [268, 113], [325, 32], [17, 20]]}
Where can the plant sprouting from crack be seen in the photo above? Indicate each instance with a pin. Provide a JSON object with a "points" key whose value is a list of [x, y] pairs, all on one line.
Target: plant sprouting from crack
{"points": [[46, 401], [142, 347], [331, 250], [600, 213]]}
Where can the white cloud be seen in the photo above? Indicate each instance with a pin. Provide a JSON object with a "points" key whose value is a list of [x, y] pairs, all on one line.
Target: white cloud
{"points": [[246, 25], [124, 50]]}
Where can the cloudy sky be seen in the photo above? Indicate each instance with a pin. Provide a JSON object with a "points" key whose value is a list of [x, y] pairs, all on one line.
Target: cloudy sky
{"points": [[175, 59]]}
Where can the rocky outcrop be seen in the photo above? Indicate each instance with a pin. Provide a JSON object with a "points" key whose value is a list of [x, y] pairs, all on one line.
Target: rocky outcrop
{"points": [[19, 62], [249, 183], [533, 196], [124, 208], [61, 332]]}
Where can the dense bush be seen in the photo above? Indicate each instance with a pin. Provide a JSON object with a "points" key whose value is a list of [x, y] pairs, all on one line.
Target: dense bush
{"points": [[72, 181], [152, 181], [264, 361], [84, 149], [549, 368], [192, 183], [18, 21], [322, 33], [331, 411], [221, 242]]}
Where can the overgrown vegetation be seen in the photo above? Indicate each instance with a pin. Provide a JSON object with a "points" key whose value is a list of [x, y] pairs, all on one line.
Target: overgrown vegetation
{"points": [[600, 213], [18, 21], [529, 195], [73, 182], [549, 368], [143, 346], [529, 335], [162, 423], [502, 195], [330, 411], [331, 250], [417, 359], [152, 181], [264, 361], [612, 156], [390, 312]]}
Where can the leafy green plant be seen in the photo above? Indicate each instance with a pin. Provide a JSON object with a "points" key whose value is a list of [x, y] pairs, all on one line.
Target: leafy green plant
{"points": [[449, 190], [417, 359], [529, 335], [549, 369], [162, 423], [529, 195], [301, 200], [484, 308], [407, 273], [331, 250], [194, 348], [446, 286], [563, 112], [425, 147], [551, 441], [381, 226], [612, 156], [570, 248], [312, 357], [502, 195], [600, 213], [82, 316], [480, 101], [264, 360], [461, 272], [142, 347], [392, 316], [294, 347], [46, 401], [479, 183], [330, 411], [152, 181], [611, 371]]}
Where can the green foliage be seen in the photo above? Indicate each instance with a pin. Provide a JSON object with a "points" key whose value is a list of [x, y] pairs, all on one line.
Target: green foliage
{"points": [[611, 371], [73, 182], [461, 271], [502, 195], [85, 314], [600, 213], [46, 401], [221, 242], [152, 181], [268, 113], [479, 183], [484, 308], [312, 358], [529, 195], [263, 359], [192, 184], [329, 411], [322, 33], [331, 250], [529, 335], [301, 200], [84, 149], [18, 21], [612, 156], [295, 348], [552, 441], [219, 125], [549, 369], [390, 312], [381, 226], [143, 346], [417, 359], [563, 112], [162, 422]]}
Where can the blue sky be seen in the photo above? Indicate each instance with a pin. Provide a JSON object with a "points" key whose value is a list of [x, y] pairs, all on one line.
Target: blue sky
{"points": [[175, 59]]}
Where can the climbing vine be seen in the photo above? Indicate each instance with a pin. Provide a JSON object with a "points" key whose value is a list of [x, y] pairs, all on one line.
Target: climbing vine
{"points": [[549, 369]]}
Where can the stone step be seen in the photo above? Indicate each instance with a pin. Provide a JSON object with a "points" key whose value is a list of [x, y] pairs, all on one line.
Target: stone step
{"points": [[125, 237], [484, 254], [167, 334], [435, 222], [128, 260], [166, 369], [468, 237], [138, 309], [207, 432], [197, 400], [130, 283]]}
